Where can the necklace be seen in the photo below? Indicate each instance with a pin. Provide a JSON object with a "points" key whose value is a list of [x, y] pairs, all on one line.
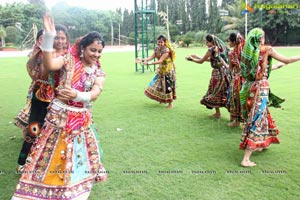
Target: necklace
{"points": [[89, 69]]}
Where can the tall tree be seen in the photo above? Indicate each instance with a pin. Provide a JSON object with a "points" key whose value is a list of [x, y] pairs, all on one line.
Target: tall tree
{"points": [[2, 36], [275, 21], [214, 19]]}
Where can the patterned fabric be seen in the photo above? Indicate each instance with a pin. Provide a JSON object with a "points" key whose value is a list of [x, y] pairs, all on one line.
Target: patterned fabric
{"points": [[250, 54], [221, 49], [260, 130], [172, 51], [41, 92], [65, 160], [233, 105], [162, 88], [216, 95]]}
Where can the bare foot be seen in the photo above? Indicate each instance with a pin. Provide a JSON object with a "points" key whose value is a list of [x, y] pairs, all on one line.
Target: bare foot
{"points": [[233, 124], [170, 106], [248, 164], [20, 169], [216, 115]]}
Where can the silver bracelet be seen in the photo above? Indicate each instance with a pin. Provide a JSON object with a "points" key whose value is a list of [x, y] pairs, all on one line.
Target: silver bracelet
{"points": [[84, 97], [48, 41]]}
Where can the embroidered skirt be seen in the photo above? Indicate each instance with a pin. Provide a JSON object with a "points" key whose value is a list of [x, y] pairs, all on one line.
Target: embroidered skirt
{"points": [[65, 160], [260, 130], [216, 95], [162, 88], [233, 104]]}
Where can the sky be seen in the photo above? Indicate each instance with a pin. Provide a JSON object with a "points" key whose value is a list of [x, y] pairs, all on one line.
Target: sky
{"points": [[88, 4]]}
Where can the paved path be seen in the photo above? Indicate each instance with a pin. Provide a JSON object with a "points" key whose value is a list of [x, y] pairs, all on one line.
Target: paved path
{"points": [[107, 49]]}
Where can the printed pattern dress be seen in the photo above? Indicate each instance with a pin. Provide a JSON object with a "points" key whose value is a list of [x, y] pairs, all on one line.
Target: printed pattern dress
{"points": [[65, 160], [233, 104], [162, 88], [260, 129], [216, 95], [31, 118]]}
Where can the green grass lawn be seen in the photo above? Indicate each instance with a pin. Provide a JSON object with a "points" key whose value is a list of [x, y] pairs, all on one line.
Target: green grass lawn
{"points": [[176, 153]]}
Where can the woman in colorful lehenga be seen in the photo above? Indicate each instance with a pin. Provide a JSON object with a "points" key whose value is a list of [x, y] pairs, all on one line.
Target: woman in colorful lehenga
{"points": [[65, 160], [236, 41], [31, 119], [162, 88], [217, 54], [22, 118], [260, 130]]}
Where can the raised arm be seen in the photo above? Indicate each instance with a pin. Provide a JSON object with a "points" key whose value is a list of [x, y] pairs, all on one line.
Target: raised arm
{"points": [[274, 54], [49, 62]]}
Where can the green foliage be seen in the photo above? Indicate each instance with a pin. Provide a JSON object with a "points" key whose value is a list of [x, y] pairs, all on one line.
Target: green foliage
{"points": [[188, 38], [200, 37], [192, 13], [2, 32], [275, 21], [13, 35], [214, 18]]}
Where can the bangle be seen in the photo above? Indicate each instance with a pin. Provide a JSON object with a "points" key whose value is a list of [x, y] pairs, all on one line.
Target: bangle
{"points": [[83, 97], [150, 63], [48, 40]]}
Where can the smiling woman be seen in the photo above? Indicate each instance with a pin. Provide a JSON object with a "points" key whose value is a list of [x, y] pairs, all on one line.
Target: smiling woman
{"points": [[65, 159]]}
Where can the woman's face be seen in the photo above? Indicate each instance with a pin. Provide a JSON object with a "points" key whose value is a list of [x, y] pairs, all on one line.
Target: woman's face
{"points": [[92, 53], [209, 44], [160, 43], [230, 43], [60, 40]]}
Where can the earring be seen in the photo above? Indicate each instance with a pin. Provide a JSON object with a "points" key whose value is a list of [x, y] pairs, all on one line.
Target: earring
{"points": [[81, 54]]}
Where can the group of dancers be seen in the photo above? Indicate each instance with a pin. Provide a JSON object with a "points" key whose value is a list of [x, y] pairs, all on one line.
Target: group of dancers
{"points": [[239, 82], [61, 154]]}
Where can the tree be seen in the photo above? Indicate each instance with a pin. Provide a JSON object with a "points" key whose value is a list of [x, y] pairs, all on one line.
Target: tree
{"points": [[200, 36], [188, 38], [214, 19], [2, 36], [13, 35], [275, 21], [234, 21]]}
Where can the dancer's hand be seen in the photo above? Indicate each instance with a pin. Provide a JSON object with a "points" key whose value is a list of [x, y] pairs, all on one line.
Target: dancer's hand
{"points": [[138, 60], [48, 21], [66, 93], [189, 58]]}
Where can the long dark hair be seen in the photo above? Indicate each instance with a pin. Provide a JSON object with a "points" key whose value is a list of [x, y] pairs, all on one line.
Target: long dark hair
{"points": [[161, 37], [210, 38], [60, 27], [89, 39], [39, 33], [232, 37]]}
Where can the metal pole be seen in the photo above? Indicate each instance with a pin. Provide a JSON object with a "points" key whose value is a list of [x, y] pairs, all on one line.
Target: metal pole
{"points": [[246, 20]]}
